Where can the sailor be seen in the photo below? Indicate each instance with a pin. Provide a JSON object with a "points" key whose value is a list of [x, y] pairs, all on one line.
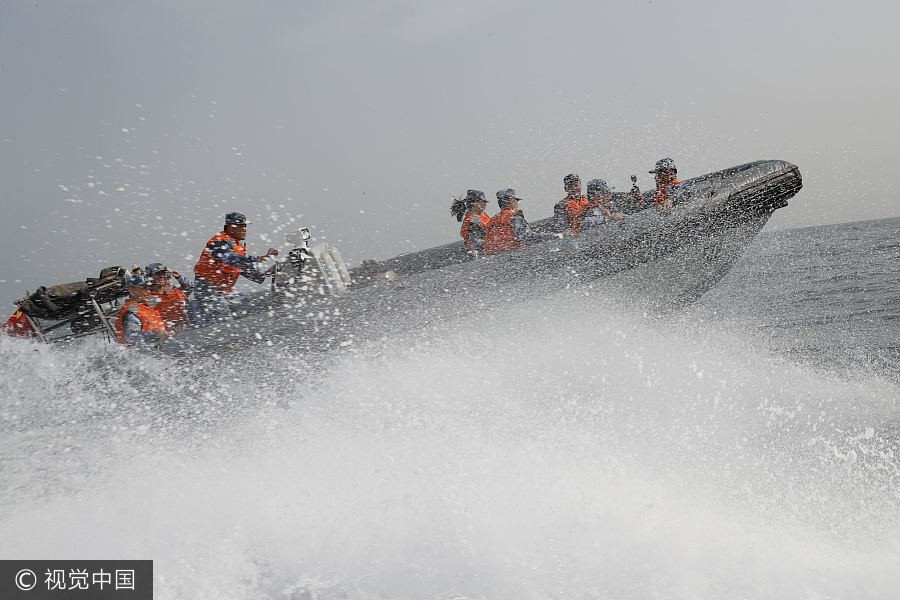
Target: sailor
{"points": [[224, 259], [567, 213], [138, 323], [665, 176], [171, 301], [470, 211], [599, 210], [508, 229]]}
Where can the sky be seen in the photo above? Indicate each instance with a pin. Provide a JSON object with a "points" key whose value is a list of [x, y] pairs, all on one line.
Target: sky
{"points": [[128, 129]]}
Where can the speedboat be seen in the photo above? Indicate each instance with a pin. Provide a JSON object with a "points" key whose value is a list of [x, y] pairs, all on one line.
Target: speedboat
{"points": [[677, 255], [315, 301]]}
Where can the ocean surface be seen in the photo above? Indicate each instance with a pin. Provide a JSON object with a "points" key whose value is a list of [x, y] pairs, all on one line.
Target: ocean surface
{"points": [[576, 445]]}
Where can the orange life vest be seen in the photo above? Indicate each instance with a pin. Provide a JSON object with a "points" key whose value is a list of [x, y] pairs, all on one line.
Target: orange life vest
{"points": [[500, 236], [150, 319], [171, 306], [216, 273], [464, 230], [575, 209], [662, 194]]}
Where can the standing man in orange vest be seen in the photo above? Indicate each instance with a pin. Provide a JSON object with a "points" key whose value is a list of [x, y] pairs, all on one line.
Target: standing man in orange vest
{"points": [[138, 323], [569, 211], [222, 262]]}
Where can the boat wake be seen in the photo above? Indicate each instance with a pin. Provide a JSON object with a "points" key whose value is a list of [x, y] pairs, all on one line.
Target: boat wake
{"points": [[563, 446]]}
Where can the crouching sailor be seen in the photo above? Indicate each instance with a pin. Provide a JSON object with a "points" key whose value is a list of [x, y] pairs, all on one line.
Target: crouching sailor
{"points": [[222, 262], [171, 301], [568, 212], [470, 212], [138, 323], [666, 176], [508, 229], [600, 210]]}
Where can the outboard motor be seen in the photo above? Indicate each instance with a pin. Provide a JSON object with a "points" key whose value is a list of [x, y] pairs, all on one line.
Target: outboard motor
{"points": [[298, 257], [320, 264]]}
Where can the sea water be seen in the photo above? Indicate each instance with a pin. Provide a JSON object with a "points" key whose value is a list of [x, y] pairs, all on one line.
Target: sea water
{"points": [[576, 445]]}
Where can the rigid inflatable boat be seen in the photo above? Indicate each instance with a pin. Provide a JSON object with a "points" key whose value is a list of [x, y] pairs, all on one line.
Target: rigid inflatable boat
{"points": [[679, 255]]}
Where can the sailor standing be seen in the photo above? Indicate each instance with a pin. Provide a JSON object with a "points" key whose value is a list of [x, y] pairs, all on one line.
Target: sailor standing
{"points": [[223, 261]]}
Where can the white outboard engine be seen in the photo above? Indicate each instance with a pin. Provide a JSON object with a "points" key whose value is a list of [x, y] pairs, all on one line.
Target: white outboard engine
{"points": [[317, 264]]}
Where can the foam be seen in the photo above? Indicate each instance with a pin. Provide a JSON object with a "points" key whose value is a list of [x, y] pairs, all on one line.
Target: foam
{"points": [[555, 447]]}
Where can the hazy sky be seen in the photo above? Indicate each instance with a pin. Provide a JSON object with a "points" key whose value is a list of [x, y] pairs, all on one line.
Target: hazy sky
{"points": [[128, 128]]}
